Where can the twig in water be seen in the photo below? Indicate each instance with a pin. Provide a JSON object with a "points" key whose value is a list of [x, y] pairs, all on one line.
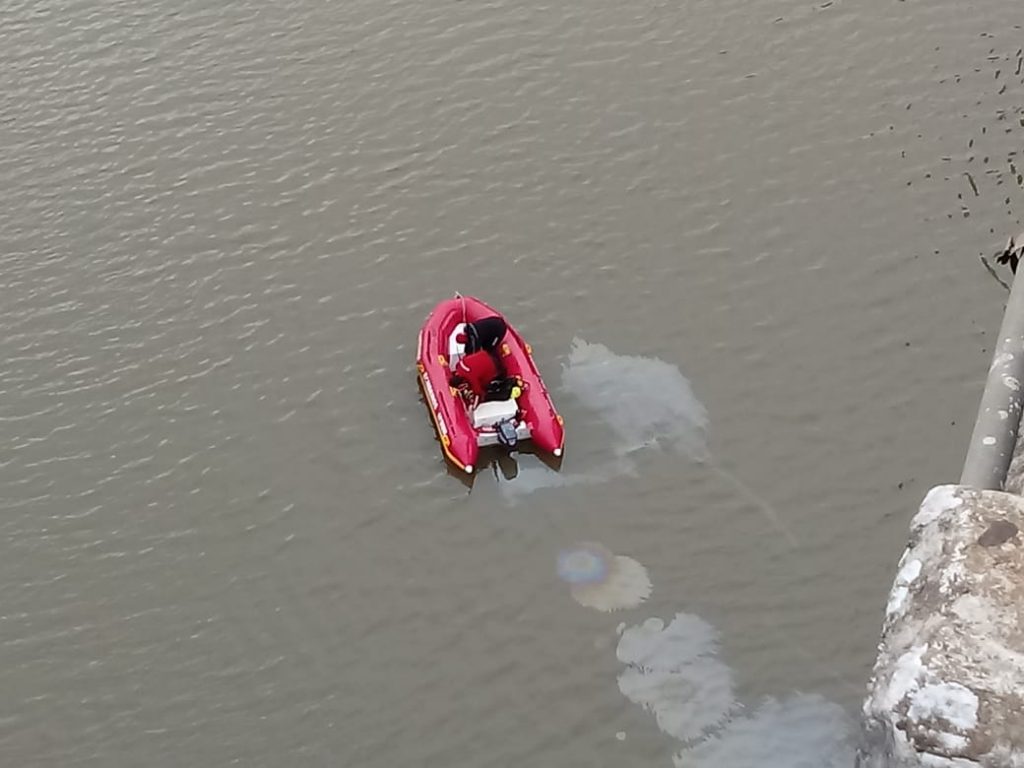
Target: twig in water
{"points": [[993, 272]]}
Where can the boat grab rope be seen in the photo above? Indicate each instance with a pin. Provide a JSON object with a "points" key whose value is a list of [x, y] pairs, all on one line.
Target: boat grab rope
{"points": [[462, 299]]}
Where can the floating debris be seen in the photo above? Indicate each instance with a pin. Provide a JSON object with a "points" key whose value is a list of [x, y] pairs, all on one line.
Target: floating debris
{"points": [[970, 180]]}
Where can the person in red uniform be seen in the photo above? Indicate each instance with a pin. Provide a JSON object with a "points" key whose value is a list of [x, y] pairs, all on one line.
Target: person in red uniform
{"points": [[475, 372], [482, 364]]}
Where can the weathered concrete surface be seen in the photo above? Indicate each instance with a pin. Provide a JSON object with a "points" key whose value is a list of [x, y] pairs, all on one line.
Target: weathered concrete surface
{"points": [[1015, 474], [948, 685]]}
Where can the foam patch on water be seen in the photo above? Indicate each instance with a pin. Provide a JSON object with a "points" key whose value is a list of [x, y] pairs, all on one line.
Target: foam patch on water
{"points": [[644, 400], [674, 672], [685, 704], [601, 580], [647, 403], [652, 646], [801, 731]]}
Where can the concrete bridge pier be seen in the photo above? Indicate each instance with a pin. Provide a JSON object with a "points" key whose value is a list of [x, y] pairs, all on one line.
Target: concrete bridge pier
{"points": [[947, 689]]}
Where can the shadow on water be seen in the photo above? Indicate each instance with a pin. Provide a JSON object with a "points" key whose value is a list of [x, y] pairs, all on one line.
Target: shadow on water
{"points": [[507, 467], [509, 464]]}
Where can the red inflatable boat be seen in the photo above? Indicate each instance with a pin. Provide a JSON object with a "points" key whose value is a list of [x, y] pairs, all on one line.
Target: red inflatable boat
{"points": [[527, 415]]}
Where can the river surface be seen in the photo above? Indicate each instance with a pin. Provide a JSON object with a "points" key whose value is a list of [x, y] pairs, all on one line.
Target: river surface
{"points": [[742, 238]]}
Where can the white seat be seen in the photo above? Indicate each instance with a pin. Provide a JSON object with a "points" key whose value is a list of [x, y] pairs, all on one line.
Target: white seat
{"points": [[455, 349], [494, 412]]}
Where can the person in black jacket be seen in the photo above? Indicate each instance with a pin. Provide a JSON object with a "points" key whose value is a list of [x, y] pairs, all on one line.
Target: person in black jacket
{"points": [[485, 334]]}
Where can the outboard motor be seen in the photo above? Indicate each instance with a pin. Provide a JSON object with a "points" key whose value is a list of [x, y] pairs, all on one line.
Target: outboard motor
{"points": [[507, 434]]}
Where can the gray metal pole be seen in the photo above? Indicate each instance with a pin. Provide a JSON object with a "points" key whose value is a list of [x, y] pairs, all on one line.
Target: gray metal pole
{"points": [[999, 414]]}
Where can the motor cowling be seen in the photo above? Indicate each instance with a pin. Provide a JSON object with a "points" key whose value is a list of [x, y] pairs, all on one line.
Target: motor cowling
{"points": [[507, 434]]}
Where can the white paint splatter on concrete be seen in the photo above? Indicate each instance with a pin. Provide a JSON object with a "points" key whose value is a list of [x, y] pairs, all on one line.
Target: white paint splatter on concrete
{"points": [[938, 501], [945, 686], [906, 676], [951, 702], [901, 589]]}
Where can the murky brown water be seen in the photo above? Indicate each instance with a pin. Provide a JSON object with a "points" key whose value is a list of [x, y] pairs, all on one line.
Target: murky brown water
{"points": [[227, 534]]}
